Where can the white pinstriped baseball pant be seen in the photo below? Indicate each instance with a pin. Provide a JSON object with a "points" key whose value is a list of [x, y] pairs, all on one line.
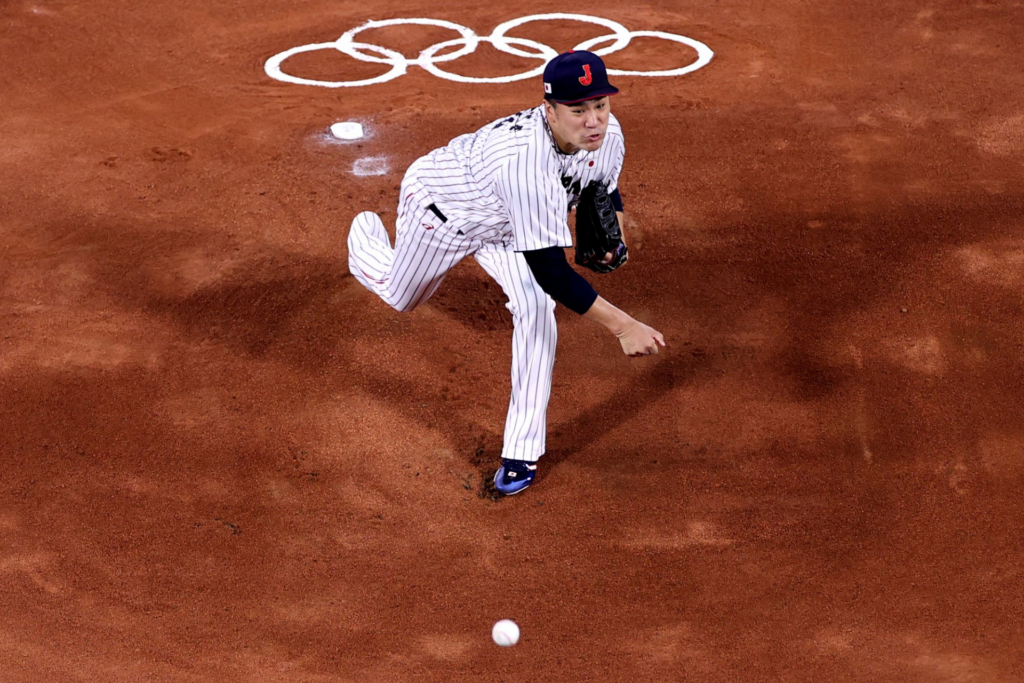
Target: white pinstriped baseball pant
{"points": [[409, 274]]}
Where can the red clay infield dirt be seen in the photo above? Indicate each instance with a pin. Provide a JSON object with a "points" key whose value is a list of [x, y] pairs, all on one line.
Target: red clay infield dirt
{"points": [[225, 461]]}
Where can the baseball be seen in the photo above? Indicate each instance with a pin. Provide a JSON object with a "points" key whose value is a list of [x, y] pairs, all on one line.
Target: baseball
{"points": [[505, 633]]}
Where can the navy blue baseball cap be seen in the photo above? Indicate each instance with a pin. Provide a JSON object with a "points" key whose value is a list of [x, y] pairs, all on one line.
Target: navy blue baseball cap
{"points": [[575, 76]]}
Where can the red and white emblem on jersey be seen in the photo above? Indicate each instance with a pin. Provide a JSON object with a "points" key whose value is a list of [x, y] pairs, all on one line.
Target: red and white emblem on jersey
{"points": [[586, 78]]}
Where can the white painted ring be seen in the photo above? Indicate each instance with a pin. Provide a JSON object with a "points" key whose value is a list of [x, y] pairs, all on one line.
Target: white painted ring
{"points": [[547, 53], [346, 45], [428, 59], [273, 68], [704, 53], [499, 31]]}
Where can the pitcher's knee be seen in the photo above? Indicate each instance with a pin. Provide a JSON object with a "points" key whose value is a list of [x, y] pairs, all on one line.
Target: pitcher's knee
{"points": [[404, 306], [404, 301], [535, 308], [367, 218]]}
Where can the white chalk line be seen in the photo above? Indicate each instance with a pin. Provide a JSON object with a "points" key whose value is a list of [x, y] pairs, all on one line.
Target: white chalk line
{"points": [[370, 166], [860, 418]]}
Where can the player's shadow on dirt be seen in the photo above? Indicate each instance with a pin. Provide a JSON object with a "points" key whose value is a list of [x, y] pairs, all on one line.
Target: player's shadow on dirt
{"points": [[468, 282], [294, 307], [670, 372], [281, 306], [289, 308]]}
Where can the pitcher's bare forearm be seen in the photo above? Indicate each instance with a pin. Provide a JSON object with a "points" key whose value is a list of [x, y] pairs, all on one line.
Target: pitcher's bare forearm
{"points": [[603, 312], [636, 338]]}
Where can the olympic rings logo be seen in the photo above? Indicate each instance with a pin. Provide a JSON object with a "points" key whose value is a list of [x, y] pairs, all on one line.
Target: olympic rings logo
{"points": [[467, 43]]}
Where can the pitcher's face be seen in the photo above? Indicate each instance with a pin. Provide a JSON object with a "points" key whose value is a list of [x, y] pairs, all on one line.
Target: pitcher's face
{"points": [[579, 126]]}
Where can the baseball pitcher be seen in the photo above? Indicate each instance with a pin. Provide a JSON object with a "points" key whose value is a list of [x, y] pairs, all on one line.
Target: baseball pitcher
{"points": [[503, 195]]}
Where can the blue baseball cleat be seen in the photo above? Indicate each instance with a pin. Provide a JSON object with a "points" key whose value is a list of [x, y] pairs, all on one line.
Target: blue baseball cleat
{"points": [[514, 475]]}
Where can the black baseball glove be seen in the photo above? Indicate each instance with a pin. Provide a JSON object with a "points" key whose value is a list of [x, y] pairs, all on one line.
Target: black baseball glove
{"points": [[597, 230]]}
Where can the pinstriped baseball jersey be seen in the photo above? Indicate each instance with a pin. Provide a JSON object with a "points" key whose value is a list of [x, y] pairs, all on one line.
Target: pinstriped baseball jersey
{"points": [[508, 182], [492, 194]]}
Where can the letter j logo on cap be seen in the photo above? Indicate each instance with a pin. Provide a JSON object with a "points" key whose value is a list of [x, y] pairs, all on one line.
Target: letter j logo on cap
{"points": [[568, 86]]}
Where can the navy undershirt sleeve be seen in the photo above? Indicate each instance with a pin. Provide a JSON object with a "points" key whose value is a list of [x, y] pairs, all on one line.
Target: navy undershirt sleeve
{"points": [[616, 199], [557, 278]]}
